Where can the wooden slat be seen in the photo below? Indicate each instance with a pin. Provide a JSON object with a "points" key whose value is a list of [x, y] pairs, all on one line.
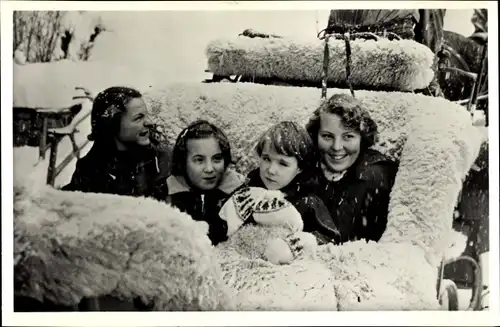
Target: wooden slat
{"points": [[68, 159]]}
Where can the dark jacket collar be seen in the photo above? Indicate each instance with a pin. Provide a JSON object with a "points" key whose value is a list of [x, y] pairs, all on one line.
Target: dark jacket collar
{"points": [[109, 159], [368, 158]]}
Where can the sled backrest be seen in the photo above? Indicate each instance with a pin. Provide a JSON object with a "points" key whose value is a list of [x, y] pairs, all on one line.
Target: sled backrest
{"points": [[432, 138]]}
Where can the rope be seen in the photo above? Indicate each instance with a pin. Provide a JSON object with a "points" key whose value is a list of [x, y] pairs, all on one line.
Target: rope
{"points": [[348, 61], [346, 36], [326, 64]]}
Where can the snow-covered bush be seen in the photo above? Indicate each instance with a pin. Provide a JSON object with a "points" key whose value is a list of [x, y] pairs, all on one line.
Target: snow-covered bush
{"points": [[44, 36]]}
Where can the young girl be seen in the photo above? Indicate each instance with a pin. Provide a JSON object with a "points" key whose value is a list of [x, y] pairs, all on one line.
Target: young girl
{"points": [[287, 162], [201, 181], [126, 158], [354, 180]]}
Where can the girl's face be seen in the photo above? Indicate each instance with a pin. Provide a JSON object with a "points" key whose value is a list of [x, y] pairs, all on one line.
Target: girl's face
{"points": [[204, 163], [276, 170], [134, 124], [339, 146]]}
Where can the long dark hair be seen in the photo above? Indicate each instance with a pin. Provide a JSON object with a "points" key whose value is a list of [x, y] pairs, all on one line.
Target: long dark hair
{"points": [[199, 129]]}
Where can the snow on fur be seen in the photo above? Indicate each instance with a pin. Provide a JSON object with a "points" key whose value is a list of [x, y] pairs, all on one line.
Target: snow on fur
{"points": [[305, 284], [71, 245], [381, 276], [399, 65], [439, 152]]}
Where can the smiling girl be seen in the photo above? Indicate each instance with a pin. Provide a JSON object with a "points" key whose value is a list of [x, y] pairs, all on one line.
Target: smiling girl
{"points": [[125, 158], [201, 181], [354, 180]]}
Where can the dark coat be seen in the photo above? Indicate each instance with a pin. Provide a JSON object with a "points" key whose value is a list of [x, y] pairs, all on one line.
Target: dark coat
{"points": [[204, 205], [137, 173], [358, 203], [315, 214]]}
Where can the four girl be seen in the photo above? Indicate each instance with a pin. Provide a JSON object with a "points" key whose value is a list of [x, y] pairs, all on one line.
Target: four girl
{"points": [[327, 170]]}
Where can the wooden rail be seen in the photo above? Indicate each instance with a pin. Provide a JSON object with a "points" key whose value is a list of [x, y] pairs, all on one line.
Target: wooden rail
{"points": [[55, 135]]}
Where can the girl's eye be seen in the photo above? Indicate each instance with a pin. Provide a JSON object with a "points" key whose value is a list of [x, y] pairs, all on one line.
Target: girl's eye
{"points": [[348, 136], [198, 160], [265, 158], [284, 164], [326, 136], [218, 159], [139, 117]]}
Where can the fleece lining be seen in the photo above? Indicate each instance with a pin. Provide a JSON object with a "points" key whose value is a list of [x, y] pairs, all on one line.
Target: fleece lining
{"points": [[403, 65]]}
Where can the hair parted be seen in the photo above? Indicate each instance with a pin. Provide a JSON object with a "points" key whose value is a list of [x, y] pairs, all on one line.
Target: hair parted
{"points": [[199, 129]]}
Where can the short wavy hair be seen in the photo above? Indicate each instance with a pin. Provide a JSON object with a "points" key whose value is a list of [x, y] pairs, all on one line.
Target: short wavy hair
{"points": [[199, 129], [288, 138], [353, 115]]}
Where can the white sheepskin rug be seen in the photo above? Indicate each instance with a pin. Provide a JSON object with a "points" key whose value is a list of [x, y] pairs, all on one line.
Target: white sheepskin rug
{"points": [[303, 285], [403, 65], [70, 245]]}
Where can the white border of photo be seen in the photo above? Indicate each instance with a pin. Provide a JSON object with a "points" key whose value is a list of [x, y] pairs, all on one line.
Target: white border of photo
{"points": [[461, 318]]}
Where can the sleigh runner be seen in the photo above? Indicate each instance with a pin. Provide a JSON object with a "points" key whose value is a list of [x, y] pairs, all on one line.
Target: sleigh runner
{"points": [[432, 136]]}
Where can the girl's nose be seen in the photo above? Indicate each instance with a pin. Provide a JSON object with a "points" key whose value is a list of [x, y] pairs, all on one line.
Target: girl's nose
{"points": [[271, 170], [337, 145], [208, 168], [148, 123]]}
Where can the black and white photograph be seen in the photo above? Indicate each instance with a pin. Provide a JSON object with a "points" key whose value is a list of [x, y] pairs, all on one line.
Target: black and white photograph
{"points": [[243, 157]]}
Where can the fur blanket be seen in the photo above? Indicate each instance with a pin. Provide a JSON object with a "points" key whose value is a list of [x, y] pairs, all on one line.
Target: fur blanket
{"points": [[396, 65], [260, 285], [70, 245]]}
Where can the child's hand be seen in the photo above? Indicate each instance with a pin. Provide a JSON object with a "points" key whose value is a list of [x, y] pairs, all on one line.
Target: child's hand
{"points": [[284, 251], [268, 208]]}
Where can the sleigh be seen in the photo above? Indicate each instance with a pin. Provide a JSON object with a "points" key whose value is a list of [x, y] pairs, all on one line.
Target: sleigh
{"points": [[460, 67], [72, 246]]}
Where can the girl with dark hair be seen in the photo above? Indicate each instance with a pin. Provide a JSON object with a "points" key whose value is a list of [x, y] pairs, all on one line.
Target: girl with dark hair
{"points": [[287, 162], [201, 181], [126, 158], [354, 180]]}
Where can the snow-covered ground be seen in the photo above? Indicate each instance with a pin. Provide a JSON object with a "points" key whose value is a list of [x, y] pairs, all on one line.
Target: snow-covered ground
{"points": [[150, 48]]}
